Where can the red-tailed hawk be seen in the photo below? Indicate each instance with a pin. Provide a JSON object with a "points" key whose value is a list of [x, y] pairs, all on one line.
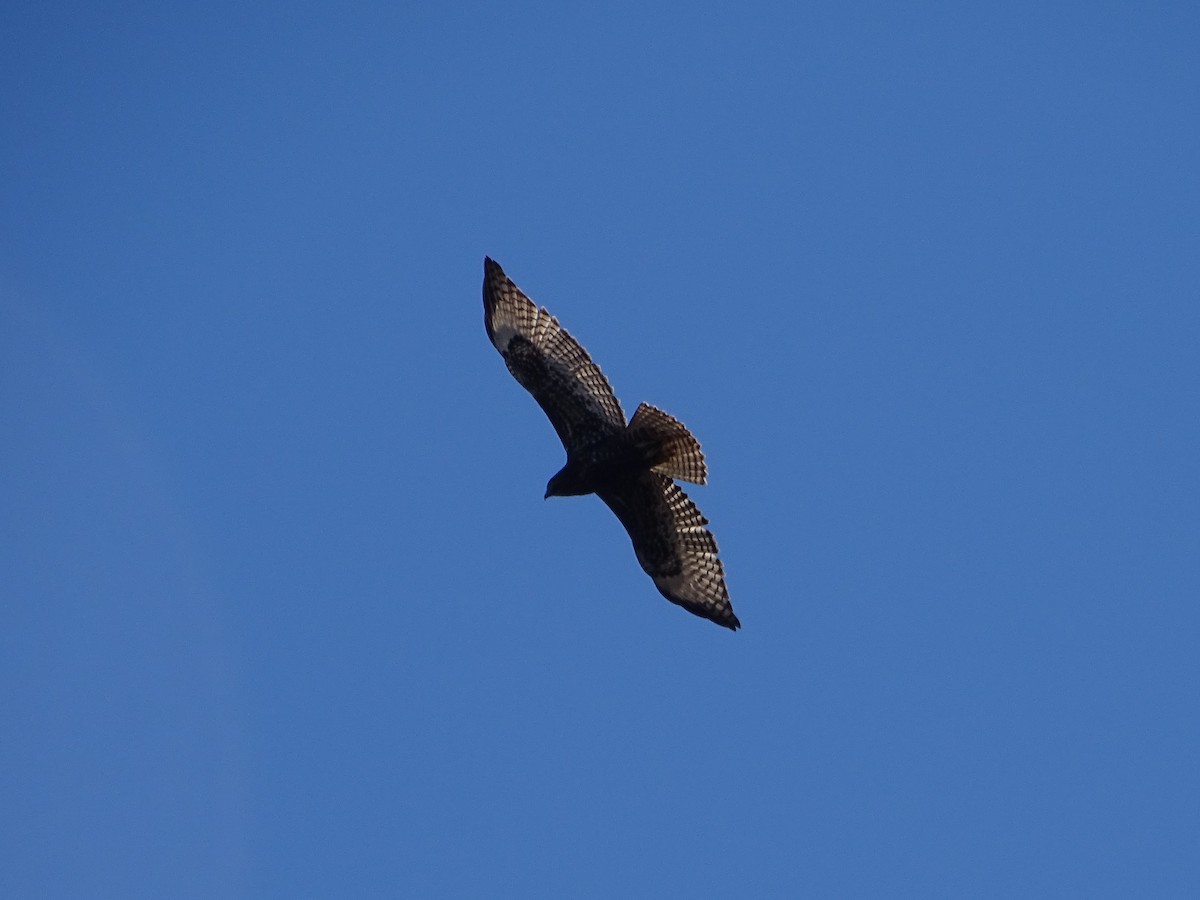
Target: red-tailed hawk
{"points": [[630, 466]]}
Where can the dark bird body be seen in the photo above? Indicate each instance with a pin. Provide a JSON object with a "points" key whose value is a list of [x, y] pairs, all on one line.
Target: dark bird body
{"points": [[630, 466]]}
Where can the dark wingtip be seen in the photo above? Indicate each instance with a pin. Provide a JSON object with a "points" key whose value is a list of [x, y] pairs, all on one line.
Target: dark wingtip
{"points": [[491, 273]]}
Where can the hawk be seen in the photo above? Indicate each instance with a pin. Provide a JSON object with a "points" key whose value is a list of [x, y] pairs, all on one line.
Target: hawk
{"points": [[629, 465]]}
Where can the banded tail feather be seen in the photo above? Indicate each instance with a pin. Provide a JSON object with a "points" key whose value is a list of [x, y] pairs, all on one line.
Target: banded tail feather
{"points": [[676, 451]]}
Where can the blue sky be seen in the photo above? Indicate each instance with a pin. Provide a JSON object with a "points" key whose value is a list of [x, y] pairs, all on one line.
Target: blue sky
{"points": [[285, 613]]}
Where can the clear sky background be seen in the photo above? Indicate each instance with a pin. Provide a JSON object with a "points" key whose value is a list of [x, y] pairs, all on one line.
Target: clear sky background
{"points": [[284, 612]]}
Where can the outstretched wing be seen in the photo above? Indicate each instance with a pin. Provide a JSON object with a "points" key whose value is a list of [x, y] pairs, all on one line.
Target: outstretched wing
{"points": [[672, 544], [549, 363]]}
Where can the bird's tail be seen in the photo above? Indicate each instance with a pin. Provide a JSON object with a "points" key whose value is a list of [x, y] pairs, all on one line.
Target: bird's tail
{"points": [[667, 442]]}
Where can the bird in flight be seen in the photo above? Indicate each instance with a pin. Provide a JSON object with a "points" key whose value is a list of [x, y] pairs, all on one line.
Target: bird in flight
{"points": [[629, 465]]}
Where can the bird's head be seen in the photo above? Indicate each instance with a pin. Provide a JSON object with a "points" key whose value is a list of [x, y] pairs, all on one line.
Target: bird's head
{"points": [[566, 482], [554, 487]]}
